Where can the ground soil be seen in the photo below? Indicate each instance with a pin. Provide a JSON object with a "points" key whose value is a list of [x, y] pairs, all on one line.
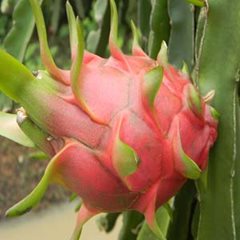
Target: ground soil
{"points": [[19, 173]]}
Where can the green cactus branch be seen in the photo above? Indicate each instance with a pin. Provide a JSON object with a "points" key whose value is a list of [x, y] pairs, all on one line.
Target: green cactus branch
{"points": [[218, 69]]}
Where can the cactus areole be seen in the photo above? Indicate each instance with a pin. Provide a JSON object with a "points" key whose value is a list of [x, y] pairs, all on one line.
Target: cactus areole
{"points": [[124, 133]]}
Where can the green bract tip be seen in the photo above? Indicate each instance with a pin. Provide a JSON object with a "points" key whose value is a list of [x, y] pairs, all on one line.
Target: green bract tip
{"points": [[114, 22], [73, 34], [125, 159], [77, 62], [215, 114], [191, 169], [42, 34], [136, 34], [162, 57], [152, 83], [194, 101], [185, 69], [32, 199], [46, 55]]}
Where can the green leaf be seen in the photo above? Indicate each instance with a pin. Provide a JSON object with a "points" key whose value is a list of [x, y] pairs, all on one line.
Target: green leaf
{"points": [[10, 129], [159, 26], [19, 36], [6, 103], [218, 69], [181, 41]]}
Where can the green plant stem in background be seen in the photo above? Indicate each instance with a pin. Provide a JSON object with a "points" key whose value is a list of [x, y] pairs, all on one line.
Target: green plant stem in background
{"points": [[181, 41], [56, 15], [143, 14], [182, 213], [107, 222], [219, 69], [159, 26], [97, 40], [132, 222]]}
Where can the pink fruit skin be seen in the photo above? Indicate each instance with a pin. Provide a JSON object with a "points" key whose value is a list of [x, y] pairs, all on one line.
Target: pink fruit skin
{"points": [[113, 91]]}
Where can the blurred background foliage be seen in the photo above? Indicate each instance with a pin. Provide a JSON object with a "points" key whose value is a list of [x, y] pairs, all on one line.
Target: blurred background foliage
{"points": [[95, 16]]}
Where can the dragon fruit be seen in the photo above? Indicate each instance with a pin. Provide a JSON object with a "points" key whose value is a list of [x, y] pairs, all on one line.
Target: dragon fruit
{"points": [[124, 133]]}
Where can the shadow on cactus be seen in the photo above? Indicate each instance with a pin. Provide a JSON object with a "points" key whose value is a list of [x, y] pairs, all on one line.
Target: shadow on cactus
{"points": [[124, 133]]}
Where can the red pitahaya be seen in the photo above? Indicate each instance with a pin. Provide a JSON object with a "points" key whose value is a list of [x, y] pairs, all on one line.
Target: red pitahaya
{"points": [[124, 132]]}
